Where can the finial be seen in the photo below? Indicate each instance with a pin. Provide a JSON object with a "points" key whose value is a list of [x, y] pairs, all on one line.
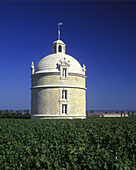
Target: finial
{"points": [[60, 23], [84, 68], [32, 67]]}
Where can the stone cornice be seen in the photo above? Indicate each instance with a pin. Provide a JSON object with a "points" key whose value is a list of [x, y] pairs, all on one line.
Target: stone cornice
{"points": [[58, 86], [77, 74], [46, 73], [58, 73]]}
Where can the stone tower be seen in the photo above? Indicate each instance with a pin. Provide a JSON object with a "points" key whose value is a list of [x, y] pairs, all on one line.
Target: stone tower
{"points": [[58, 89]]}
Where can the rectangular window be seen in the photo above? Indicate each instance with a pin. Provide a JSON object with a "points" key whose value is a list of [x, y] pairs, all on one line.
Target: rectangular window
{"points": [[64, 72], [64, 94], [64, 108]]}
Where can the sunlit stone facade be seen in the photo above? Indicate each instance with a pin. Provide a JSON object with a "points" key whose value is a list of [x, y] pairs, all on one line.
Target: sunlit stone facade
{"points": [[58, 89]]}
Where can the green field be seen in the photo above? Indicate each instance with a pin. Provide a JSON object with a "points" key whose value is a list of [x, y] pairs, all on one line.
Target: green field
{"points": [[94, 143]]}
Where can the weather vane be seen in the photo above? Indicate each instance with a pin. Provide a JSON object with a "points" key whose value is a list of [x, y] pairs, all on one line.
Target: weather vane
{"points": [[60, 23]]}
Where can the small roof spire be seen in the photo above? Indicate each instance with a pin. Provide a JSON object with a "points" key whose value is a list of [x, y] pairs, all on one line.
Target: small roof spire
{"points": [[60, 23]]}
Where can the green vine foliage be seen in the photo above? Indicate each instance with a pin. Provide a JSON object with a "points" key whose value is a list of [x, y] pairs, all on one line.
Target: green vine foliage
{"points": [[94, 143]]}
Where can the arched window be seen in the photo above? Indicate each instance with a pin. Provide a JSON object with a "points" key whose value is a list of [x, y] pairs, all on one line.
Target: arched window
{"points": [[54, 49], [60, 48]]}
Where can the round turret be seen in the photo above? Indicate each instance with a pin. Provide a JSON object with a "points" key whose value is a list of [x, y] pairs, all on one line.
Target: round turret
{"points": [[58, 86]]}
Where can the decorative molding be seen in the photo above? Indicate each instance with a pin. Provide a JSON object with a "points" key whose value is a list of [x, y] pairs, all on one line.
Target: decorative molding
{"points": [[58, 73], [63, 101], [58, 86], [77, 74], [64, 63], [46, 73]]}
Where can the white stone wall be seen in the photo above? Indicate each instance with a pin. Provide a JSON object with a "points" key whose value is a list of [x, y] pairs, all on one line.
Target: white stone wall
{"points": [[46, 95], [50, 79]]}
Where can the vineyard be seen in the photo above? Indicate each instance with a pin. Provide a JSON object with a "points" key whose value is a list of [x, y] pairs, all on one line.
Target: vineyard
{"points": [[94, 143]]}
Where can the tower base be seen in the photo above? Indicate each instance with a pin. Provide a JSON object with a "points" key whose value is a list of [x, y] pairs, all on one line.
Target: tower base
{"points": [[36, 116]]}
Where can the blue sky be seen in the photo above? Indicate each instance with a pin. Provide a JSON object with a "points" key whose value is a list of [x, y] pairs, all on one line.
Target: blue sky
{"points": [[101, 35]]}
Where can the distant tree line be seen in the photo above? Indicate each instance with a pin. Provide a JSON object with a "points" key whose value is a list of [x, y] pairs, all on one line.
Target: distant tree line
{"points": [[123, 113], [24, 114]]}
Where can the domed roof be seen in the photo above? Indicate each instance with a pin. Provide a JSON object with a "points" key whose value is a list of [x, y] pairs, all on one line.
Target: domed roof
{"points": [[50, 63], [58, 42]]}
